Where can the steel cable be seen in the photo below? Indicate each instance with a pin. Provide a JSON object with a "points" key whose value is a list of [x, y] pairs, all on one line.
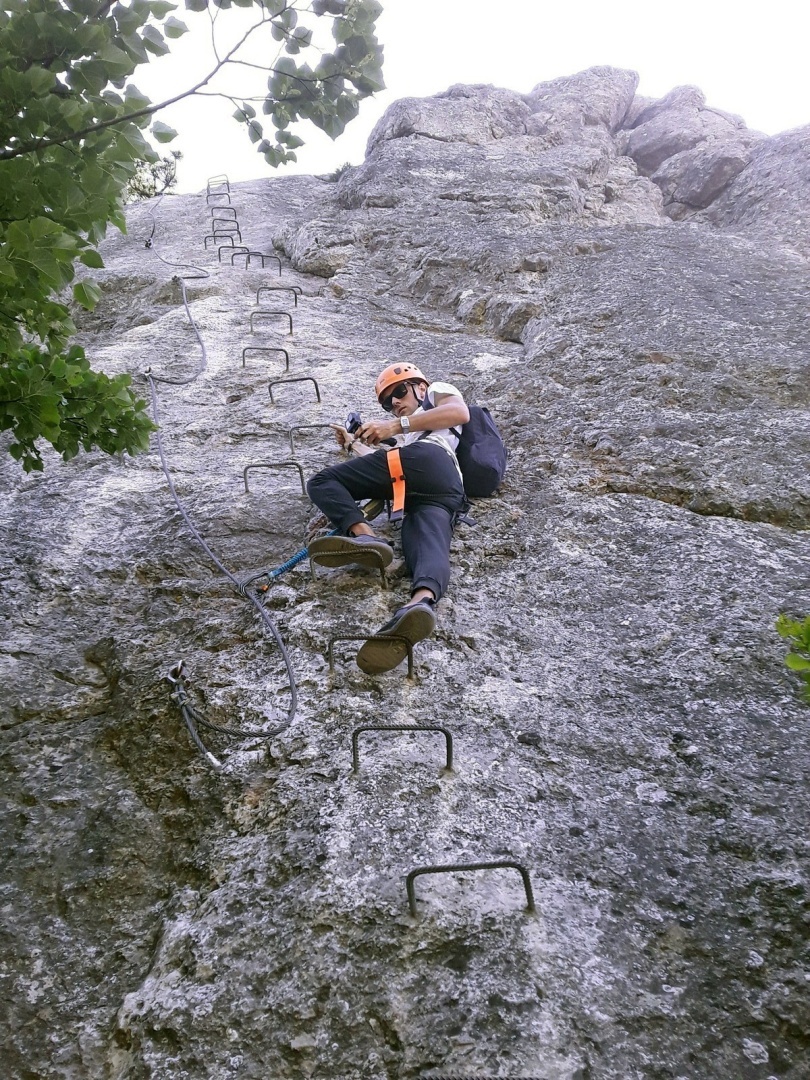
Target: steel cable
{"points": [[190, 716]]}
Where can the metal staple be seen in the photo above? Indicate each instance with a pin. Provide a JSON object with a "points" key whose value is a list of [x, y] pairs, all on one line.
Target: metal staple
{"points": [[275, 465], [501, 863], [266, 349], [285, 382], [267, 314], [400, 727]]}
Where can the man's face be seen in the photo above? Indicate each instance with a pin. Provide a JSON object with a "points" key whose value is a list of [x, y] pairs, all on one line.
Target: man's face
{"points": [[401, 400]]}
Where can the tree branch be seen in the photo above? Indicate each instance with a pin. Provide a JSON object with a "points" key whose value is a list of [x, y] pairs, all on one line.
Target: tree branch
{"points": [[212, 19], [45, 144]]}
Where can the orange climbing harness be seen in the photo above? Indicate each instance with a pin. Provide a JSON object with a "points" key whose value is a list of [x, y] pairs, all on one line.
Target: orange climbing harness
{"points": [[397, 474]]}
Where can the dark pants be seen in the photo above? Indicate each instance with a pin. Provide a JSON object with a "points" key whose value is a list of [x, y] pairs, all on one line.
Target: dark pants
{"points": [[433, 494]]}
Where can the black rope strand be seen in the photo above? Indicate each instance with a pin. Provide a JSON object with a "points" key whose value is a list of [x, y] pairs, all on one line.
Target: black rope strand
{"points": [[190, 715]]}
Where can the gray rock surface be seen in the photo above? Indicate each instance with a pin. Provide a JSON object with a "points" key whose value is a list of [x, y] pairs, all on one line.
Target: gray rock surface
{"points": [[606, 659], [694, 178], [770, 200], [600, 96]]}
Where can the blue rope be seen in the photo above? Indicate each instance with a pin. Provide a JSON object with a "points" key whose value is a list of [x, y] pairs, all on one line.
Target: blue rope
{"points": [[294, 560]]}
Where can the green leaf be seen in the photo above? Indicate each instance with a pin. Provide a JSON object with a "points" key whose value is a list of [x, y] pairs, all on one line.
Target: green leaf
{"points": [[7, 273], [162, 132], [347, 108], [329, 122], [796, 662], [92, 258], [39, 79], [288, 18], [115, 59], [153, 41], [328, 7], [135, 99], [196, 5], [173, 28], [87, 294], [134, 45], [365, 11]]}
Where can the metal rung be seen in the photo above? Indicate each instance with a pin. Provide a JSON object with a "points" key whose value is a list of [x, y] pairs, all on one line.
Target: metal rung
{"points": [[304, 427], [506, 863], [225, 225], [263, 349], [284, 382], [275, 465], [296, 290], [266, 314], [218, 236], [373, 557], [370, 637], [217, 195], [448, 738], [223, 210], [259, 255]]}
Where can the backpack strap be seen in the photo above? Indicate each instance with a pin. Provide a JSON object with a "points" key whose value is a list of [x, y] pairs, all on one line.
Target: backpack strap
{"points": [[397, 474]]}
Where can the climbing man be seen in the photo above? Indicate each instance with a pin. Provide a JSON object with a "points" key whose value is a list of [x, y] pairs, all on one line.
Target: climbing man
{"points": [[421, 475]]}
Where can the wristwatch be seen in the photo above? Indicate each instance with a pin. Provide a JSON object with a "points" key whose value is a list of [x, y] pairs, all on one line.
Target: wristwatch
{"points": [[405, 424]]}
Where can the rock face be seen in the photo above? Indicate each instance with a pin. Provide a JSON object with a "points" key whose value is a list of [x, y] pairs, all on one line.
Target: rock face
{"points": [[624, 283]]}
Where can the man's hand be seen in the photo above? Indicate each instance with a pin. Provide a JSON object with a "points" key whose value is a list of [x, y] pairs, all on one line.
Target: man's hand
{"points": [[373, 433], [344, 438]]}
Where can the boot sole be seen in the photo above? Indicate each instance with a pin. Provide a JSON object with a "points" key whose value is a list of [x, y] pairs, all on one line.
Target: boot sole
{"points": [[340, 551], [383, 652]]}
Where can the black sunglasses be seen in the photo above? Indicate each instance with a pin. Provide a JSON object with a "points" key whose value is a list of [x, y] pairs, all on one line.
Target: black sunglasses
{"points": [[398, 392]]}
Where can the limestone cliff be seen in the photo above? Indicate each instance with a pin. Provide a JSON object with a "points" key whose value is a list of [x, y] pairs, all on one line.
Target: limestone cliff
{"points": [[624, 283]]}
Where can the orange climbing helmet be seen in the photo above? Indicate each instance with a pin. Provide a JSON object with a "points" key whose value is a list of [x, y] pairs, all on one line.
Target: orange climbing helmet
{"points": [[397, 373]]}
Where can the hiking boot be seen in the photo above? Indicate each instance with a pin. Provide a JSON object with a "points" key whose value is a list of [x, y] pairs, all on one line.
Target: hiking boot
{"points": [[386, 649], [345, 550]]}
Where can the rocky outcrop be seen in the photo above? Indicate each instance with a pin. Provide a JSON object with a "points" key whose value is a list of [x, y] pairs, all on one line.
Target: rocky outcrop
{"points": [[596, 98], [469, 114], [692, 179], [770, 199], [606, 661], [677, 124]]}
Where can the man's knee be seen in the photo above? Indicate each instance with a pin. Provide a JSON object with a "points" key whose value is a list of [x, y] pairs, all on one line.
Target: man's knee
{"points": [[317, 483]]}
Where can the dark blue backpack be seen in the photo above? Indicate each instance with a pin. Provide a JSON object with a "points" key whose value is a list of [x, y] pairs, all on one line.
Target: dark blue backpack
{"points": [[481, 453]]}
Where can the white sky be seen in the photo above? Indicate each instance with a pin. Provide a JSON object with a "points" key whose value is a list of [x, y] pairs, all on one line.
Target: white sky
{"points": [[747, 59]]}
